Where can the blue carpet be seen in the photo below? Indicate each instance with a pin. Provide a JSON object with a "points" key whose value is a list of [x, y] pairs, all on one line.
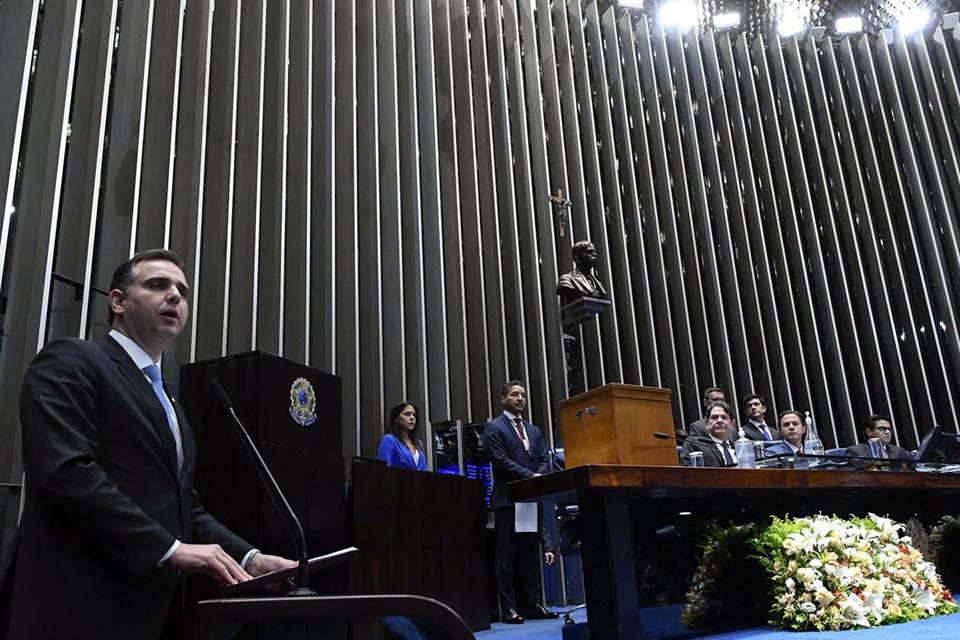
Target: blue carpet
{"points": [[663, 623]]}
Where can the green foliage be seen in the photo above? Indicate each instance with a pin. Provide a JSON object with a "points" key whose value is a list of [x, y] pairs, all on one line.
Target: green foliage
{"points": [[822, 573], [945, 549], [727, 570]]}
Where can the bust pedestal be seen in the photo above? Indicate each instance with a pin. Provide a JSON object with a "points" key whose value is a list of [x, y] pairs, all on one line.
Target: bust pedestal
{"points": [[572, 315]]}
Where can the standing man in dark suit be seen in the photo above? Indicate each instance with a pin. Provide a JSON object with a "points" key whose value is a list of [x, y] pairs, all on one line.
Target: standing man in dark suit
{"points": [[110, 521], [755, 427], [879, 426], [517, 450]]}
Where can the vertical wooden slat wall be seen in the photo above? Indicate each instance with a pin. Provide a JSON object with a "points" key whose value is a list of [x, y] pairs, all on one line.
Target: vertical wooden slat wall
{"points": [[362, 186]]}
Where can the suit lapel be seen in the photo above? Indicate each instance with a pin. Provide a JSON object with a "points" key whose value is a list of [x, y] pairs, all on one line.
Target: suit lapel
{"points": [[152, 408]]}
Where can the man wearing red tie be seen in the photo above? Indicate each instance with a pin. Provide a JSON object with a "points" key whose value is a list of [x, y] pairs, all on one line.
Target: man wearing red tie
{"points": [[517, 450]]}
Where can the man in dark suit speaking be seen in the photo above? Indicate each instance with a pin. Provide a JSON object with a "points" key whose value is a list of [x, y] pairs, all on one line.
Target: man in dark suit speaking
{"points": [[517, 450], [110, 520]]}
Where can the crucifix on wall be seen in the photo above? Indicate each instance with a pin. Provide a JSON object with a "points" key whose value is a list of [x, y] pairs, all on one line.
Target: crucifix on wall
{"points": [[561, 209]]}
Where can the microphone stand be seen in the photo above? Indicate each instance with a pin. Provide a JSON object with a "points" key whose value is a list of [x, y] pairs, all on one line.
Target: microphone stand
{"points": [[279, 500], [692, 438]]}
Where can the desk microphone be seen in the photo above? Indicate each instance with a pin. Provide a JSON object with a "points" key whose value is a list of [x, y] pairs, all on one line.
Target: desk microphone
{"points": [[692, 438], [279, 501], [666, 436]]}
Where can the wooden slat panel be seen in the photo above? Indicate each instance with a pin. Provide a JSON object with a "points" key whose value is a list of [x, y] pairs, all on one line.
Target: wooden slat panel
{"points": [[243, 231], [369, 270], [295, 256], [271, 225], [116, 237], [161, 114], [83, 172], [475, 291], [187, 200], [322, 291], [28, 273]]}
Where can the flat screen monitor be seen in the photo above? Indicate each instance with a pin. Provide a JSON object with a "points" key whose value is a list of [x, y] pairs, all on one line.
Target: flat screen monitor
{"points": [[939, 446], [445, 453], [475, 458]]}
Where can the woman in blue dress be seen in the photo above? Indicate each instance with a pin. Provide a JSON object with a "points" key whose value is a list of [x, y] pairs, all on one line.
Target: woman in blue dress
{"points": [[399, 446]]}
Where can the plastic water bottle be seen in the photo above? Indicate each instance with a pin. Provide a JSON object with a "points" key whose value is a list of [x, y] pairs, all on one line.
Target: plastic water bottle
{"points": [[812, 444], [746, 458]]}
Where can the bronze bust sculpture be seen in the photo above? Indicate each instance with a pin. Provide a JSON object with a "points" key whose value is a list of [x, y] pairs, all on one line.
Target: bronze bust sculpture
{"points": [[581, 282]]}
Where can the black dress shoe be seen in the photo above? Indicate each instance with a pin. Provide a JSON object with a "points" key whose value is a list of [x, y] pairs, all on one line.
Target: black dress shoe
{"points": [[511, 617], [540, 613]]}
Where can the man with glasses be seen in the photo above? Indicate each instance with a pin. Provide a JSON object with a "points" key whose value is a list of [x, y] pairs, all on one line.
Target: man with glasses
{"points": [[879, 426]]}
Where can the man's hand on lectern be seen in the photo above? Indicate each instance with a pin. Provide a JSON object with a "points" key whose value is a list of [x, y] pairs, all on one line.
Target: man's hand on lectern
{"points": [[262, 563], [210, 560]]}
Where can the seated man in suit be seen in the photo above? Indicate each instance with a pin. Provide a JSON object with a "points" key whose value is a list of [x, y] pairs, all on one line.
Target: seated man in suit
{"points": [[517, 450], [792, 430], [879, 426], [710, 395], [715, 446], [755, 427], [111, 522]]}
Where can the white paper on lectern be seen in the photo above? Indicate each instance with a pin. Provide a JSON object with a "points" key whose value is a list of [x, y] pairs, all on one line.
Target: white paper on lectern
{"points": [[525, 517]]}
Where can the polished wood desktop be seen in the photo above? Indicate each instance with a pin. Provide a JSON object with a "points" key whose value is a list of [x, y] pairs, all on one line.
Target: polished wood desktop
{"points": [[614, 499]]}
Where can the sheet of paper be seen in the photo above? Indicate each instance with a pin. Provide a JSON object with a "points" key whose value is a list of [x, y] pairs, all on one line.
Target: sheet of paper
{"points": [[525, 517]]}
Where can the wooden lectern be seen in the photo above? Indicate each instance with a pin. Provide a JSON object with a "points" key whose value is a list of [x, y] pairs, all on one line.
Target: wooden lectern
{"points": [[302, 450], [615, 423]]}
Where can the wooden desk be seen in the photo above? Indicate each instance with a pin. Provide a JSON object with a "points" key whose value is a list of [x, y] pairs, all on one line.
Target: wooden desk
{"points": [[423, 534], [607, 494]]}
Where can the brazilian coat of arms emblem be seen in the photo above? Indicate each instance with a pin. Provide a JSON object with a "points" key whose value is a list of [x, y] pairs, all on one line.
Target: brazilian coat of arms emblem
{"points": [[303, 402]]}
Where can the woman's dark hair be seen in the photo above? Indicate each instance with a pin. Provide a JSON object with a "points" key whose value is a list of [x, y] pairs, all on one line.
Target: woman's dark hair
{"points": [[394, 428]]}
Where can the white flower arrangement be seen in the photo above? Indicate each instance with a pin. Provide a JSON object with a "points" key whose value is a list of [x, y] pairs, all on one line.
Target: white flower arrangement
{"points": [[834, 574]]}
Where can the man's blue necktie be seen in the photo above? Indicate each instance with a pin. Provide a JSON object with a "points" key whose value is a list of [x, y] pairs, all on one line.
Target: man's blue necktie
{"points": [[766, 432], [156, 382], [727, 456]]}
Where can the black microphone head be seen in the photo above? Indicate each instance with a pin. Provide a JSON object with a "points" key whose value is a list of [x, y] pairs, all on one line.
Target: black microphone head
{"points": [[220, 395], [662, 435]]}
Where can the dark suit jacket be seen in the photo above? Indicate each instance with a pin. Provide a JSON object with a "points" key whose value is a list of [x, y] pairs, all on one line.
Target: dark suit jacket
{"points": [[711, 454], [103, 499], [698, 428], [780, 447], [753, 432], [510, 461], [894, 452]]}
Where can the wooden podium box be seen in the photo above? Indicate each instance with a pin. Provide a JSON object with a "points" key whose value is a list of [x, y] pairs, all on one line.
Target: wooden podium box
{"points": [[614, 424]]}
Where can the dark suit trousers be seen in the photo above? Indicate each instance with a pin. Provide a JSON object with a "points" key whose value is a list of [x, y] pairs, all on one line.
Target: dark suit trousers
{"points": [[518, 557]]}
